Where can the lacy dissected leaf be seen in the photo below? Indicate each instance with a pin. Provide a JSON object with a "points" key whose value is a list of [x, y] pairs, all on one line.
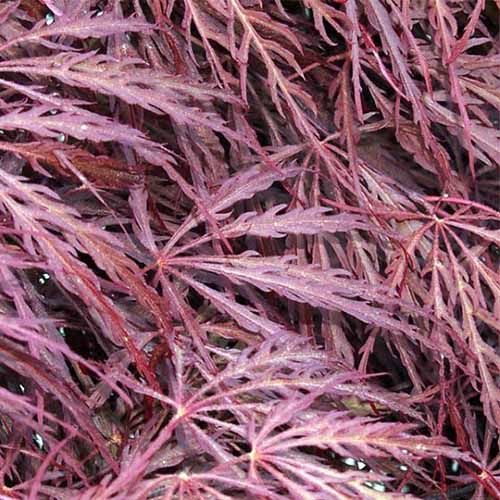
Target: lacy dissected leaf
{"points": [[307, 284], [76, 25], [102, 170], [129, 80], [297, 221]]}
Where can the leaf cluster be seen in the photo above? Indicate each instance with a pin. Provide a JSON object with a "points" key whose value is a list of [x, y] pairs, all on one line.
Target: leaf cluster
{"points": [[249, 249]]}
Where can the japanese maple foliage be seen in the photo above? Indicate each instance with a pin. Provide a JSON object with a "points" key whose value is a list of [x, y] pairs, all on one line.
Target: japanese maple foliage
{"points": [[249, 249]]}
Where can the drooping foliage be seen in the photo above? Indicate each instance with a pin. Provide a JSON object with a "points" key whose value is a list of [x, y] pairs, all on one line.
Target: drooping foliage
{"points": [[249, 249]]}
